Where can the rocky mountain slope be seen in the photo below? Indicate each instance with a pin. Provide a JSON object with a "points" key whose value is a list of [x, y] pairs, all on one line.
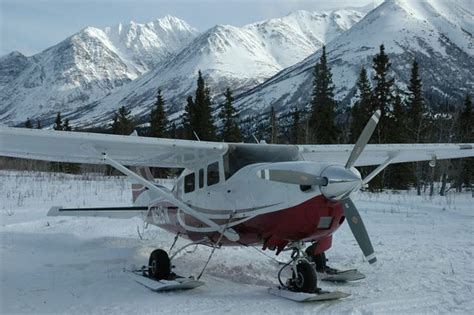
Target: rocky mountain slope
{"points": [[85, 67], [439, 34], [235, 57], [228, 56]]}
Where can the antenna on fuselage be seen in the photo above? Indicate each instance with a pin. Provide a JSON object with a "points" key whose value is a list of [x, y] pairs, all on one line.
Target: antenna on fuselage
{"points": [[195, 134]]}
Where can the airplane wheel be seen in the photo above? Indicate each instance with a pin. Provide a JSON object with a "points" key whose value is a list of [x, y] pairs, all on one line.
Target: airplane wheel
{"points": [[159, 265], [306, 280]]}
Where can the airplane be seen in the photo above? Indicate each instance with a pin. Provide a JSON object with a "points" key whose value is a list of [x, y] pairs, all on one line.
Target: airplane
{"points": [[281, 197]]}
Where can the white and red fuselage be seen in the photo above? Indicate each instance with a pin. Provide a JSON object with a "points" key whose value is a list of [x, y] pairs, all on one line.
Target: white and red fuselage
{"points": [[230, 192]]}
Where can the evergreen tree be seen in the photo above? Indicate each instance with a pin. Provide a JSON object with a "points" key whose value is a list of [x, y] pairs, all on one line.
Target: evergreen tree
{"points": [[66, 126], [158, 119], [230, 128], [203, 123], [323, 105], [58, 124], [189, 118], [122, 122], [465, 134], [382, 94], [295, 128], [28, 124], [173, 132], [362, 109], [398, 176], [38, 125], [416, 122], [272, 130]]}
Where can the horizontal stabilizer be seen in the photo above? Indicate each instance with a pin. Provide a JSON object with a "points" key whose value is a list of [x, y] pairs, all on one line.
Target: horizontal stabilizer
{"points": [[112, 212]]}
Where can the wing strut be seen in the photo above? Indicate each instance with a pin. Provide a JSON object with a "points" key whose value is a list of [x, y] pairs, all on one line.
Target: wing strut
{"points": [[229, 233]]}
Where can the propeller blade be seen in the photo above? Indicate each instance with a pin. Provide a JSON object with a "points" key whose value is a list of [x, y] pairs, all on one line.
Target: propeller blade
{"points": [[363, 139], [292, 177], [358, 229]]}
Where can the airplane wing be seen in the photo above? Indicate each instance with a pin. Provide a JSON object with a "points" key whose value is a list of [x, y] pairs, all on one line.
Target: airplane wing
{"points": [[82, 147], [376, 154]]}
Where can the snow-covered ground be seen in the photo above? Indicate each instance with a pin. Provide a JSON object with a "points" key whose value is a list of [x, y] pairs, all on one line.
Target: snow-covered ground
{"points": [[75, 265]]}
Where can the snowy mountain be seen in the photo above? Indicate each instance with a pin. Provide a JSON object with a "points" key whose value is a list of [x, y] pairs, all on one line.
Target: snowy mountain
{"points": [[228, 56], [439, 34], [85, 67]]}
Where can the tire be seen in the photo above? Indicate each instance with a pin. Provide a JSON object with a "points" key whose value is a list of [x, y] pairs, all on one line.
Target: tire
{"points": [[159, 265], [306, 280]]}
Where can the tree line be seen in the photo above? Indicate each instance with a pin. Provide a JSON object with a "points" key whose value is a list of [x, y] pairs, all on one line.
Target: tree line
{"points": [[406, 118]]}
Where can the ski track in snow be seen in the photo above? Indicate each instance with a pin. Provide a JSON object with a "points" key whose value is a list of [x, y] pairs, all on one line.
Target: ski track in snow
{"points": [[75, 265]]}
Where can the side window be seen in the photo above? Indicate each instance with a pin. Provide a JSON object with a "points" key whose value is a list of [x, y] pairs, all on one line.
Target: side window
{"points": [[212, 174], [189, 183], [201, 178]]}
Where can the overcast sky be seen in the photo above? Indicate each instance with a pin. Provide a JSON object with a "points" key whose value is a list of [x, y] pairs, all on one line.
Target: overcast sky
{"points": [[31, 26]]}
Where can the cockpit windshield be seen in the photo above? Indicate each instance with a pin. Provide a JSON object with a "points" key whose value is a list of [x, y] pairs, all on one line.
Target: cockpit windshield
{"points": [[241, 155]]}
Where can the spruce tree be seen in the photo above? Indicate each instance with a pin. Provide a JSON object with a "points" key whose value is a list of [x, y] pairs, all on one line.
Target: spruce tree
{"points": [[122, 122], [398, 176], [38, 125], [273, 129], [203, 123], [58, 124], [465, 134], [295, 128], [323, 105], [28, 124], [158, 119], [66, 126], [228, 114], [362, 109], [189, 118], [416, 121], [382, 94]]}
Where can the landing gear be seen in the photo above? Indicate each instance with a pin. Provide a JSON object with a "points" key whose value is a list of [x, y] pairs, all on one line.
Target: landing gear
{"points": [[158, 276], [302, 286], [159, 266], [303, 277]]}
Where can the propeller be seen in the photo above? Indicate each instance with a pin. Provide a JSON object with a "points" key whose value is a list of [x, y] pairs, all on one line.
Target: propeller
{"points": [[350, 210], [358, 229], [336, 182]]}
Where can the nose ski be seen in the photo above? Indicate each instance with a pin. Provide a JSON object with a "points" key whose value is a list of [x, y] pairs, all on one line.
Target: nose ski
{"points": [[173, 283]]}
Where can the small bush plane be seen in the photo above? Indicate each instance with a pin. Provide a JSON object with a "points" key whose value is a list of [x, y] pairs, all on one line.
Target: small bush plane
{"points": [[282, 197]]}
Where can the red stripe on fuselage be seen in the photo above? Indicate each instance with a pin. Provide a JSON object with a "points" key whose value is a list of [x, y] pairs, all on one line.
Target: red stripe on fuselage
{"points": [[276, 229]]}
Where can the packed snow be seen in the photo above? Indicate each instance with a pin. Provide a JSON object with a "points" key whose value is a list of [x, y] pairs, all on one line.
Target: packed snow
{"points": [[75, 265]]}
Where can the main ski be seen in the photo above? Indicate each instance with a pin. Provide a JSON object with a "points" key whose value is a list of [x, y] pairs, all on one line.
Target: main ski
{"points": [[179, 283], [307, 297]]}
